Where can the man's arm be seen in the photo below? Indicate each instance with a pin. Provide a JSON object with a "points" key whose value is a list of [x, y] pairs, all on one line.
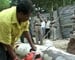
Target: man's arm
{"points": [[28, 36]]}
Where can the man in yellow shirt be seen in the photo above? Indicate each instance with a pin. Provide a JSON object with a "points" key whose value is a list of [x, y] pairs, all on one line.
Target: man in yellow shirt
{"points": [[14, 21]]}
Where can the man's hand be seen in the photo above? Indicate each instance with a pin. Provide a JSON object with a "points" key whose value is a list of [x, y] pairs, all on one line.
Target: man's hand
{"points": [[28, 36], [33, 48]]}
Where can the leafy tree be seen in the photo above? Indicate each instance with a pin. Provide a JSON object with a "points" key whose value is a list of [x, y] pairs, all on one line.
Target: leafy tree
{"points": [[14, 2], [48, 5], [52, 4], [4, 4]]}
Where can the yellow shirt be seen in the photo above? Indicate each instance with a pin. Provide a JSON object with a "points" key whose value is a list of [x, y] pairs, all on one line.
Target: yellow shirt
{"points": [[10, 30]]}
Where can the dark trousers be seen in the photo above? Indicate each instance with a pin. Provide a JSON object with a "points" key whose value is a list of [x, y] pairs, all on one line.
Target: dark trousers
{"points": [[4, 55], [48, 33]]}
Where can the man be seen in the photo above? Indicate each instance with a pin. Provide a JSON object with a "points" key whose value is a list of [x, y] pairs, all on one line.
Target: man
{"points": [[13, 22], [43, 23], [71, 44], [48, 28], [53, 28], [37, 25]]}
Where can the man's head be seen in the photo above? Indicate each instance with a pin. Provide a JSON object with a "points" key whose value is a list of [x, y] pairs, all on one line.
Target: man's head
{"points": [[38, 14], [24, 9], [52, 18]]}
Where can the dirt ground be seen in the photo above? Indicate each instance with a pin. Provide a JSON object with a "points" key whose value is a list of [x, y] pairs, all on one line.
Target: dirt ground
{"points": [[61, 44]]}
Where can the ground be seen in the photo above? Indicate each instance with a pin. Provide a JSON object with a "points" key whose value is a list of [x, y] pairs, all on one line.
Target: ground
{"points": [[61, 44]]}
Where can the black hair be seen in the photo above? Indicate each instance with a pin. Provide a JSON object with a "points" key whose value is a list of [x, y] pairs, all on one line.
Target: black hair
{"points": [[24, 6]]}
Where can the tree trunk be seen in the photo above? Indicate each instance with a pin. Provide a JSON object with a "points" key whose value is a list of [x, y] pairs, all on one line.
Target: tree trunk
{"points": [[60, 31]]}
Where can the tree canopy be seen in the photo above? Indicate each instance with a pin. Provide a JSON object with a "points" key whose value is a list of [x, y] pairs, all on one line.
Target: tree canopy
{"points": [[4, 4], [49, 5], [52, 4]]}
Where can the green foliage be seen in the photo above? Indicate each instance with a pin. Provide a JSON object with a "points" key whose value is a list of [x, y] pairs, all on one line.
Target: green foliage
{"points": [[47, 5], [52, 4], [13, 2], [4, 4]]}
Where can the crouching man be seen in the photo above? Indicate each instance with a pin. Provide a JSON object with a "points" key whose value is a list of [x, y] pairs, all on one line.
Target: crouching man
{"points": [[71, 44], [14, 21]]}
